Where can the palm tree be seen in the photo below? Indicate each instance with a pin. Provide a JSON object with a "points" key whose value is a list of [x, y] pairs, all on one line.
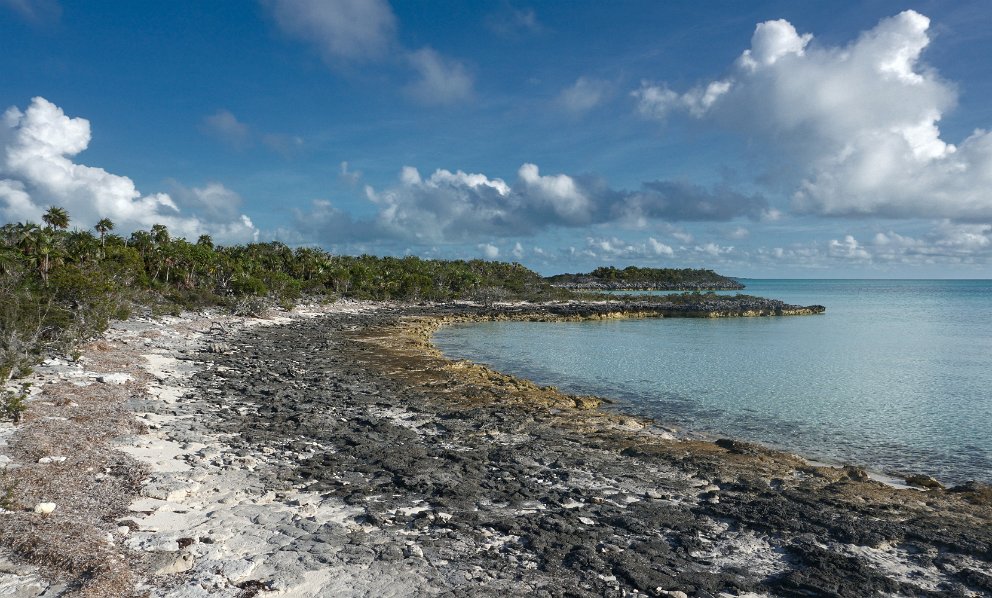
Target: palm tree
{"points": [[47, 253], [56, 218], [26, 237], [160, 234], [142, 241], [205, 241], [103, 227]]}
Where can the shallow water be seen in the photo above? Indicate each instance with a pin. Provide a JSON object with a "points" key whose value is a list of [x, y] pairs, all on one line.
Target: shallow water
{"points": [[896, 376]]}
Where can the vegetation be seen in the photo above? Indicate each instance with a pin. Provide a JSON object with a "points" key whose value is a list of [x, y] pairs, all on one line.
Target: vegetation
{"points": [[12, 405], [58, 287], [634, 278]]}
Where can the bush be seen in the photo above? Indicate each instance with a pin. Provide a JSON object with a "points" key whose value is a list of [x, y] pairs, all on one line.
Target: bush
{"points": [[12, 405], [248, 285]]}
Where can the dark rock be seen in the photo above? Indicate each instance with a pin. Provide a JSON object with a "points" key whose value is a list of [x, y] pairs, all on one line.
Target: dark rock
{"points": [[924, 481]]}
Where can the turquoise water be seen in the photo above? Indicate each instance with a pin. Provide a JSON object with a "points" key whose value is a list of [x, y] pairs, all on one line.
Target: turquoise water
{"points": [[896, 376]]}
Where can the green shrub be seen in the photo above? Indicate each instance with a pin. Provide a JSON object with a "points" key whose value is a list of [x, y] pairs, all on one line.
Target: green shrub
{"points": [[12, 405]]}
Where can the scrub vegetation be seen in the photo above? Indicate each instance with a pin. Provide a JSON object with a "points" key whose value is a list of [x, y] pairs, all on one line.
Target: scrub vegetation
{"points": [[59, 287]]}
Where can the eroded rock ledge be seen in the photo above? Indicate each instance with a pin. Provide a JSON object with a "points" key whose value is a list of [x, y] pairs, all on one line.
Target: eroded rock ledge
{"points": [[469, 482]]}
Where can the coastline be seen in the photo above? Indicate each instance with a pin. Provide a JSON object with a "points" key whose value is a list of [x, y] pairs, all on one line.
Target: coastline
{"points": [[425, 474]]}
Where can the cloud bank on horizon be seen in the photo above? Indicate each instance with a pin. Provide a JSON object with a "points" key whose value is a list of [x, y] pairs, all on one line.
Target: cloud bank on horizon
{"points": [[843, 140]]}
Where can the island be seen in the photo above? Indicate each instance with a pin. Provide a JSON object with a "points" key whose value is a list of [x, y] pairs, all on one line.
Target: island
{"points": [[633, 278]]}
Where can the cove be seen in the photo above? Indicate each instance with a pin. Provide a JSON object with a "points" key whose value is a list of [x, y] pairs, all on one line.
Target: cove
{"points": [[895, 376]]}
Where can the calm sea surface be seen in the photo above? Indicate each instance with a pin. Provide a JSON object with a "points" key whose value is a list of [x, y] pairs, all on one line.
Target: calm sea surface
{"points": [[896, 376]]}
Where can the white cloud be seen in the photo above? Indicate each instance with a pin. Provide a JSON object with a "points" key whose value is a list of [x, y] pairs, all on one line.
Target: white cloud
{"points": [[660, 248], [558, 192], [36, 171], [225, 126], [584, 95], [518, 251], [848, 248], [343, 30], [771, 41], [712, 249], [657, 102], [457, 207], [440, 80], [861, 121], [447, 206], [603, 249], [489, 251]]}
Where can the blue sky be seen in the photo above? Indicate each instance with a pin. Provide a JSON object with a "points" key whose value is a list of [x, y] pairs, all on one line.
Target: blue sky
{"points": [[763, 139]]}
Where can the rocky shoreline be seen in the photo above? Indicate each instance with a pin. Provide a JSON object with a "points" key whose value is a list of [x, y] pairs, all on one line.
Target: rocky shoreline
{"points": [[339, 454], [600, 285]]}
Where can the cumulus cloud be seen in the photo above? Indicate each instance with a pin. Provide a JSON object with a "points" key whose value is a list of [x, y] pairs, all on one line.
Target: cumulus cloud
{"points": [[440, 80], [584, 95], [557, 195], [342, 30], [447, 206], [37, 170], [457, 207], [489, 251], [860, 120], [612, 249], [848, 248], [658, 101]]}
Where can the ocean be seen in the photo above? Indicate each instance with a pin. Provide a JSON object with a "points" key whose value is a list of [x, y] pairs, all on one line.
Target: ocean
{"points": [[896, 376]]}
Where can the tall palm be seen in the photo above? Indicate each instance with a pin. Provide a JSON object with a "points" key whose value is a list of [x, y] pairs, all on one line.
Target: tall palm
{"points": [[103, 227], [46, 250], [56, 218]]}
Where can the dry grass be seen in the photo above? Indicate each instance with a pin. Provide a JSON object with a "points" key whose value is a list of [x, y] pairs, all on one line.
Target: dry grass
{"points": [[92, 487]]}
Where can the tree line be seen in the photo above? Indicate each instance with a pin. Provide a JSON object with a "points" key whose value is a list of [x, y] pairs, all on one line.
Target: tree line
{"points": [[59, 286]]}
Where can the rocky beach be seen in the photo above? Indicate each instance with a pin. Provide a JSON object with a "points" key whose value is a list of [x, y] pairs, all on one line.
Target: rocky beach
{"points": [[332, 451]]}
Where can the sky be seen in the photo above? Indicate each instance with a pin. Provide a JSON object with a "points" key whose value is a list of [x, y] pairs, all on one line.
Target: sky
{"points": [[761, 139]]}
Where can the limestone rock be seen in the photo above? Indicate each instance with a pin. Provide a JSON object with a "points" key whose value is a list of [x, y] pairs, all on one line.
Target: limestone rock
{"points": [[170, 563], [116, 378]]}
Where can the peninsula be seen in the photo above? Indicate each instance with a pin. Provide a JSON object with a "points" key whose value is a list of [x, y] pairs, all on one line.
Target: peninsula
{"points": [[633, 278]]}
